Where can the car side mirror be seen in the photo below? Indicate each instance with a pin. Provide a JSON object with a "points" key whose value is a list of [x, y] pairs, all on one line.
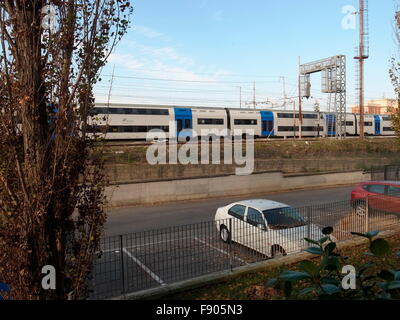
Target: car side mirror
{"points": [[262, 227]]}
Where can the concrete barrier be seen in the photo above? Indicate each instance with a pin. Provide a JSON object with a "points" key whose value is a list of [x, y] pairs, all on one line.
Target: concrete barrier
{"points": [[230, 185]]}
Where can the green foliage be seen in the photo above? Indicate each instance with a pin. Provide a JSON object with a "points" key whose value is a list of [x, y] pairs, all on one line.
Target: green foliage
{"points": [[324, 280]]}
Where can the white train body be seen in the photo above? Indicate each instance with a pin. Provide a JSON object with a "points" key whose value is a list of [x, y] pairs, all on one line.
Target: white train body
{"points": [[134, 122]]}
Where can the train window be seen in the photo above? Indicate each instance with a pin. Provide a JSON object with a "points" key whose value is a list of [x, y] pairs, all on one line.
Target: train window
{"points": [[141, 111], [285, 115], [309, 128], [288, 128], [179, 124], [143, 129], [296, 128], [386, 118], [368, 124], [210, 121], [388, 129], [310, 116], [245, 121], [96, 111], [270, 125], [350, 123]]}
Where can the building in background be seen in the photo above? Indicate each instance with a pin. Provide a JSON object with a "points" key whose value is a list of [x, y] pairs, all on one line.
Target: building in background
{"points": [[380, 106]]}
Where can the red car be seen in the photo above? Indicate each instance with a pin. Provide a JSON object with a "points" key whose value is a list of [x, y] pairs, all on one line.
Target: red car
{"points": [[382, 195]]}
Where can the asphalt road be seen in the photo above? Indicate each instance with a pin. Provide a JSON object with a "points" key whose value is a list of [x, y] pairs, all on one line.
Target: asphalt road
{"points": [[133, 219]]}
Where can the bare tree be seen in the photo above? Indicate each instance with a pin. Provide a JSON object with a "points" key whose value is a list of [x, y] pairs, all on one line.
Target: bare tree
{"points": [[394, 74], [51, 171]]}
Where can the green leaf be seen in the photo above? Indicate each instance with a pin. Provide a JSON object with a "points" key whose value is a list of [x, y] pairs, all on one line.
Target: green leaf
{"points": [[393, 285], [330, 289], [330, 263], [359, 234], [372, 234], [294, 275], [314, 250], [323, 240], [311, 241], [379, 247], [271, 283], [309, 267], [386, 275], [307, 290], [330, 280], [330, 247], [327, 230], [288, 288], [368, 235]]}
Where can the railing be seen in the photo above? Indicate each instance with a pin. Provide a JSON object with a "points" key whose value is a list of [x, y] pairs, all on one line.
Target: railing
{"points": [[150, 259], [388, 173]]}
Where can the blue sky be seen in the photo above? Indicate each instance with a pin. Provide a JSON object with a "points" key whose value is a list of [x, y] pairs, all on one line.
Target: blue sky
{"points": [[200, 52]]}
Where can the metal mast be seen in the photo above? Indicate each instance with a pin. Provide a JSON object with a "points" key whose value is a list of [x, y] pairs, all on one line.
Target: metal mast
{"points": [[363, 53], [333, 81]]}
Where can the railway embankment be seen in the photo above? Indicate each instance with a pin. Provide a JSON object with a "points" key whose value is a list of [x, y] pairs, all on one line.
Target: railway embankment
{"points": [[128, 164]]}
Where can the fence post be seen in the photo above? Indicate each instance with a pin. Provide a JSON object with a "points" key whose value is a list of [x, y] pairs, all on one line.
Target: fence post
{"points": [[366, 214], [121, 250], [309, 222], [230, 245]]}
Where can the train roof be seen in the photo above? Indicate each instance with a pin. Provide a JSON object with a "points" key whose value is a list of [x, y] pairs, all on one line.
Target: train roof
{"points": [[127, 105]]}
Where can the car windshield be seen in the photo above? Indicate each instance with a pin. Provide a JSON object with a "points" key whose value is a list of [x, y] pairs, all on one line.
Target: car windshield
{"points": [[283, 218]]}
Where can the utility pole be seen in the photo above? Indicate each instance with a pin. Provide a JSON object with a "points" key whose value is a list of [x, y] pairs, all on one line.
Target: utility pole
{"points": [[254, 94], [240, 97], [300, 114], [294, 119], [284, 92], [362, 55]]}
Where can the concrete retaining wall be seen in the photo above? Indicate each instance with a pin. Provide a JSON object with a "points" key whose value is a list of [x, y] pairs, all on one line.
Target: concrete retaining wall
{"points": [[232, 185]]}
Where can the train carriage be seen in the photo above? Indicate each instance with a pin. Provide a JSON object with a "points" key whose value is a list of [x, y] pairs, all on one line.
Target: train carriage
{"points": [[133, 122], [242, 120], [287, 124], [121, 121], [387, 126]]}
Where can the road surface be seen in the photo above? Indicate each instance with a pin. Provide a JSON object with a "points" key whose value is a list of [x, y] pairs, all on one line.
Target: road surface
{"points": [[132, 219]]}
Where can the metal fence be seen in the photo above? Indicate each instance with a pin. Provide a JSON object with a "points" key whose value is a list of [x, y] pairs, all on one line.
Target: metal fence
{"points": [[149, 259], [388, 173]]}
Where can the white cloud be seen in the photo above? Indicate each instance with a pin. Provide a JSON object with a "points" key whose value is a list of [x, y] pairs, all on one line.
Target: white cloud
{"points": [[147, 32]]}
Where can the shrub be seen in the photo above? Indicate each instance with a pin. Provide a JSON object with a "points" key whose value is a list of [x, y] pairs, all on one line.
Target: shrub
{"points": [[324, 280]]}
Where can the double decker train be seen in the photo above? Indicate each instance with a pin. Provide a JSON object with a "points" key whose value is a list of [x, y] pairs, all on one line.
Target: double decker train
{"points": [[133, 122]]}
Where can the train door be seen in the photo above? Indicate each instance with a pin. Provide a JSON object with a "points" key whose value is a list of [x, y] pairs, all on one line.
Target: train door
{"points": [[267, 123], [377, 125], [331, 124], [184, 122]]}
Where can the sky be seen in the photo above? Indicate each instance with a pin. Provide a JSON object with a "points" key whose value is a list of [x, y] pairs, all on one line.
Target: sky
{"points": [[214, 52]]}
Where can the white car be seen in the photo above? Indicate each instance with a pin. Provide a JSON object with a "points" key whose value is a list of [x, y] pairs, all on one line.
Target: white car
{"points": [[266, 226]]}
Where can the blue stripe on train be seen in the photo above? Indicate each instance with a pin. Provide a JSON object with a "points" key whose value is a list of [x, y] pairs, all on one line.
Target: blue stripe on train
{"points": [[267, 123], [377, 124], [184, 122]]}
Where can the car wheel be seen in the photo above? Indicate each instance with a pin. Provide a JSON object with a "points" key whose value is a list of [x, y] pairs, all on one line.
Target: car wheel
{"points": [[277, 251], [225, 234]]}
